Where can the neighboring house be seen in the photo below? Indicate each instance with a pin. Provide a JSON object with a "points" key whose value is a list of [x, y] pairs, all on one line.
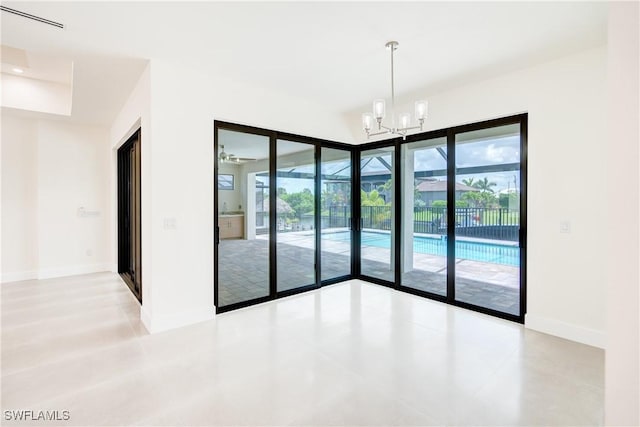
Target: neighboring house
{"points": [[431, 190], [376, 181]]}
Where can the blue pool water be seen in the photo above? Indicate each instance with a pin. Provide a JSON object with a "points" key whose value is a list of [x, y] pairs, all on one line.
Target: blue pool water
{"points": [[476, 251]]}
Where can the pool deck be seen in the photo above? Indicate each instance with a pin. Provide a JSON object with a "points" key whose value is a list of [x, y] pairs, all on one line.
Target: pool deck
{"points": [[496, 274], [244, 270]]}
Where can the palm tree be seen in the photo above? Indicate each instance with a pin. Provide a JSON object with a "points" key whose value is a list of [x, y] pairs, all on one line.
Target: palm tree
{"points": [[484, 185], [468, 182]]}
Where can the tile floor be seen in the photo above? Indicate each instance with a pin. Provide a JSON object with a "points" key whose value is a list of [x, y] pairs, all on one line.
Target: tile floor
{"points": [[349, 354]]}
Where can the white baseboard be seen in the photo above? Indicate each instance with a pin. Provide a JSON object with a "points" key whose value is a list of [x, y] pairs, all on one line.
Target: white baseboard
{"points": [[18, 276], [155, 324], [50, 273], [145, 317], [565, 330]]}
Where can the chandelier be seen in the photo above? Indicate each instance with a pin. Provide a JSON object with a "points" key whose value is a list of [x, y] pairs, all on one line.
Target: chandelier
{"points": [[404, 120]]}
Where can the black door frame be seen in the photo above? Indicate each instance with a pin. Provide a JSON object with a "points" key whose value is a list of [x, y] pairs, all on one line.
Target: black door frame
{"points": [[356, 150], [450, 133], [131, 274], [358, 208], [522, 121], [274, 136]]}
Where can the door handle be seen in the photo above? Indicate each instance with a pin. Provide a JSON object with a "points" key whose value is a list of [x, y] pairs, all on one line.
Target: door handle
{"points": [[520, 238]]}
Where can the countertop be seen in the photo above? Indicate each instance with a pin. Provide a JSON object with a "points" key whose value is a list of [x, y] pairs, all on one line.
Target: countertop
{"points": [[232, 214]]}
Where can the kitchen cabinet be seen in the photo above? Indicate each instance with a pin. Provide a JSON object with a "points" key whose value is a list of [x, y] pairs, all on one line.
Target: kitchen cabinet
{"points": [[231, 226]]}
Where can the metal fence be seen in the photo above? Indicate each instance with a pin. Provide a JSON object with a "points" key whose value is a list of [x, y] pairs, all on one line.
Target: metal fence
{"points": [[488, 223], [336, 217]]}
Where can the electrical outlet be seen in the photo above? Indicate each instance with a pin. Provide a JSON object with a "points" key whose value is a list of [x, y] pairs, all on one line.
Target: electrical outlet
{"points": [[565, 227]]}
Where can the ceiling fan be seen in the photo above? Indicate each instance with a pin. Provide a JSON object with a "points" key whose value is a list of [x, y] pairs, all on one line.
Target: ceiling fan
{"points": [[231, 158]]}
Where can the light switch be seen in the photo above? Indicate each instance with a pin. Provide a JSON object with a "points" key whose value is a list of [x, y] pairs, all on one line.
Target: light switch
{"points": [[169, 223]]}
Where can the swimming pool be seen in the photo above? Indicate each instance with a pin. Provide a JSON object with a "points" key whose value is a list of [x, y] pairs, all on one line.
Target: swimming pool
{"points": [[476, 251]]}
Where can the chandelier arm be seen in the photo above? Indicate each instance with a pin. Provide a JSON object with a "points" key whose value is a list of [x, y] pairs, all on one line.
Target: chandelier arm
{"points": [[384, 132], [409, 128]]}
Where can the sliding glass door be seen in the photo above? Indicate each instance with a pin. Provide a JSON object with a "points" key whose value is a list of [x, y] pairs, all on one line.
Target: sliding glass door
{"points": [[335, 205], [377, 213], [242, 233], [424, 215], [440, 214], [488, 218], [295, 213], [456, 231], [273, 193]]}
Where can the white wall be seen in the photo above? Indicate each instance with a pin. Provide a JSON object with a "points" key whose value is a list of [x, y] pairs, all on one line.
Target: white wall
{"points": [[622, 361], [73, 173], [566, 102], [50, 169], [36, 95], [176, 106], [19, 199], [135, 114]]}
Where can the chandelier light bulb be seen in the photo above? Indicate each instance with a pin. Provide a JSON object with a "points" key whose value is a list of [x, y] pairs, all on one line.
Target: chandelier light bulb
{"points": [[405, 121], [421, 110], [367, 121], [378, 109]]}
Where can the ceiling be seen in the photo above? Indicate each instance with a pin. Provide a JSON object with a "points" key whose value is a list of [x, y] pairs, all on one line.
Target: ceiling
{"points": [[331, 52], [240, 144], [37, 66]]}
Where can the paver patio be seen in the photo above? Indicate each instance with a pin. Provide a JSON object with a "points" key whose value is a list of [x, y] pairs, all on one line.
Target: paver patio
{"points": [[244, 270]]}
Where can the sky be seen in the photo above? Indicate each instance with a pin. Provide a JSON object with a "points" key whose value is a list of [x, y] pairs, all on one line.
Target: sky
{"points": [[494, 151]]}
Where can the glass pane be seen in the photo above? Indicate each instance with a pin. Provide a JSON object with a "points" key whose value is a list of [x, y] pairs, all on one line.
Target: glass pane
{"points": [[295, 215], [336, 213], [488, 218], [243, 221], [376, 212], [424, 226]]}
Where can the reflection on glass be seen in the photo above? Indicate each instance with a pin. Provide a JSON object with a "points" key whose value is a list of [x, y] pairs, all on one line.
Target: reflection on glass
{"points": [[295, 215], [376, 212], [424, 222], [243, 252], [335, 202], [488, 218]]}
